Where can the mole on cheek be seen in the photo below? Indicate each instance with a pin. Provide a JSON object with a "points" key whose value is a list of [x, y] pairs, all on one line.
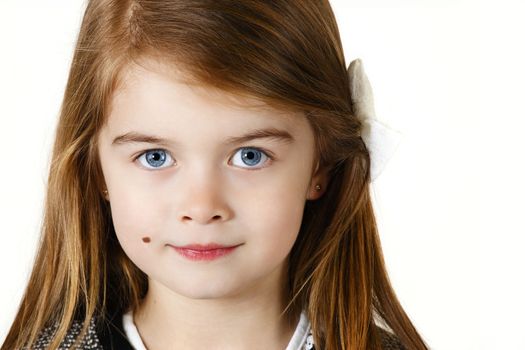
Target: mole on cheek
{"points": [[146, 239]]}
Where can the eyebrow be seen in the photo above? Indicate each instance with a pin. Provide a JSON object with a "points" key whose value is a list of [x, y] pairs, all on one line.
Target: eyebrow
{"points": [[271, 133]]}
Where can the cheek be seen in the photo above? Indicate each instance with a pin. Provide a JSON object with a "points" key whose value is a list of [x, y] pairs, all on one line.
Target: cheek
{"points": [[274, 211], [276, 223], [133, 220]]}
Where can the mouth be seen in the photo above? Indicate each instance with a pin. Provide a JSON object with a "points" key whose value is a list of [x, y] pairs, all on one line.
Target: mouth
{"points": [[204, 252], [207, 246]]}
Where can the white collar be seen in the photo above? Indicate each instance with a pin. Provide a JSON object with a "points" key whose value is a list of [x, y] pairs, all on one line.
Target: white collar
{"points": [[297, 342]]}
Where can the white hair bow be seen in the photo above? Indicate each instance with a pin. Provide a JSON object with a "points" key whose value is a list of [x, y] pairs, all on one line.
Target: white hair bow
{"points": [[380, 139]]}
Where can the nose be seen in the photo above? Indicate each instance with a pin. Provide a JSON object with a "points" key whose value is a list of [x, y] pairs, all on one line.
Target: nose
{"points": [[202, 198]]}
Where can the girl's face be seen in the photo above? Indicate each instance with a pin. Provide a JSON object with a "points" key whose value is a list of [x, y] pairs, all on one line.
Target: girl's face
{"points": [[180, 170]]}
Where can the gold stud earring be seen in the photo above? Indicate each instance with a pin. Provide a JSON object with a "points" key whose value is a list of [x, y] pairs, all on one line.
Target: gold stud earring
{"points": [[318, 187], [105, 193]]}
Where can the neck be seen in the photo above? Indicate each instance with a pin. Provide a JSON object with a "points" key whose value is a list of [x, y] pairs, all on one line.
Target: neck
{"points": [[167, 320]]}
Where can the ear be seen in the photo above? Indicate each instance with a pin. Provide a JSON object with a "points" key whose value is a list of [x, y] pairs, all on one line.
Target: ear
{"points": [[320, 178], [105, 194]]}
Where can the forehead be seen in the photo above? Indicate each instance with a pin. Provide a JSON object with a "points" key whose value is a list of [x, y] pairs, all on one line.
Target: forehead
{"points": [[153, 90]]}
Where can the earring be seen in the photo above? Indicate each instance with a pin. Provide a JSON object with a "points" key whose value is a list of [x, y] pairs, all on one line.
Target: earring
{"points": [[105, 193], [318, 187]]}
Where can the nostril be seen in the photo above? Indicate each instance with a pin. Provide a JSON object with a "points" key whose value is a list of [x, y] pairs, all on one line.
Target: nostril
{"points": [[213, 218]]}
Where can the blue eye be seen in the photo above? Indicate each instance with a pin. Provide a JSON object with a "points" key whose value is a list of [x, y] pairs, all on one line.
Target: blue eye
{"points": [[154, 159], [250, 156]]}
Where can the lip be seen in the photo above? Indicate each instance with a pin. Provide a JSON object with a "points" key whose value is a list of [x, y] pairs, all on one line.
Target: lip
{"points": [[204, 252], [208, 246]]}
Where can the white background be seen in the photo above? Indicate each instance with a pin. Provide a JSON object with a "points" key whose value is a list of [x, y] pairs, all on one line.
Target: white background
{"points": [[447, 74]]}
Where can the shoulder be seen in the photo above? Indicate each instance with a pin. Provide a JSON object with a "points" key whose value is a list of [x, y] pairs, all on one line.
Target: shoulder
{"points": [[389, 341], [90, 340], [102, 334]]}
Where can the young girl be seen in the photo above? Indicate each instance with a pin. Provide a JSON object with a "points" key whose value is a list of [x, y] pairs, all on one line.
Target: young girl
{"points": [[209, 188]]}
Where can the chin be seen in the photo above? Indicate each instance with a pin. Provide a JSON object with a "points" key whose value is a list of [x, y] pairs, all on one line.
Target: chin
{"points": [[201, 289]]}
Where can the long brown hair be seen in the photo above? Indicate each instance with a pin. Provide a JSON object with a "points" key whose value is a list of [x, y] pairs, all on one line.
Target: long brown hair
{"points": [[286, 53]]}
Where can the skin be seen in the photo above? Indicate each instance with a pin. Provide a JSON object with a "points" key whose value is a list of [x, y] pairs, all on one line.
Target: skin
{"points": [[204, 192]]}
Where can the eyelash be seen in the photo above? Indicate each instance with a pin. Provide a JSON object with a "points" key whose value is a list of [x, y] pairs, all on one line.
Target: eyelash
{"points": [[267, 153]]}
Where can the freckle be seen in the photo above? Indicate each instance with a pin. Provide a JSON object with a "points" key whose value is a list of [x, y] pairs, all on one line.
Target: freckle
{"points": [[146, 239]]}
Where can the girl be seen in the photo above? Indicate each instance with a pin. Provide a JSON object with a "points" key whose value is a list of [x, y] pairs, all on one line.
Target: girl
{"points": [[209, 188]]}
